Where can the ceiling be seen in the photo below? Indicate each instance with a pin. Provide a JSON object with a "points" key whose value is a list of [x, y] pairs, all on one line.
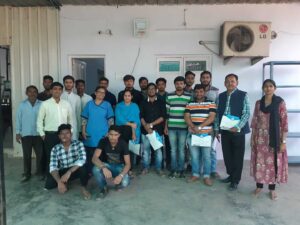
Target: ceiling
{"points": [[58, 3]]}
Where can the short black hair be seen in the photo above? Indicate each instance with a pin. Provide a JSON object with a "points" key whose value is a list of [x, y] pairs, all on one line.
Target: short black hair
{"points": [[103, 78], [64, 127], [130, 91], [56, 84], [128, 77], [48, 77], [232, 75], [269, 81], [79, 81], [68, 77], [142, 78], [188, 73], [151, 84], [33, 87], [205, 72], [199, 86], [179, 78], [160, 79], [114, 128]]}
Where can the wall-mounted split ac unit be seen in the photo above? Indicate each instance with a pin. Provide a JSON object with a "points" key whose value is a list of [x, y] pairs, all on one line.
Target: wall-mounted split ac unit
{"points": [[245, 39]]}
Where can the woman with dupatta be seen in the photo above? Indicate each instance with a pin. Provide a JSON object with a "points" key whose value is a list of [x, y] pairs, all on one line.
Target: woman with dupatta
{"points": [[269, 162]]}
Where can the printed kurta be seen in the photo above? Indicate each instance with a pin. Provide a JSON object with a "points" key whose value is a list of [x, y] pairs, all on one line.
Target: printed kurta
{"points": [[262, 155]]}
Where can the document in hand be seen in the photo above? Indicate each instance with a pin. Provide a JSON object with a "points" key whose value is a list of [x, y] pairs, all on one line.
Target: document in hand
{"points": [[201, 140], [133, 147], [229, 121], [155, 140]]}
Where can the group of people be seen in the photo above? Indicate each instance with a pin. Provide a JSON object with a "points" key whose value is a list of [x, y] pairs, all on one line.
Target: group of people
{"points": [[76, 135]]}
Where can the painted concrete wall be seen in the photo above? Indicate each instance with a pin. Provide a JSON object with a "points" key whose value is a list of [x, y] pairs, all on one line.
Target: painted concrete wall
{"points": [[80, 26]]}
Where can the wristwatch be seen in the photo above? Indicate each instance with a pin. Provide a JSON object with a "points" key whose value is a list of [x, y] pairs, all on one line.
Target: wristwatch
{"points": [[283, 141], [151, 125]]}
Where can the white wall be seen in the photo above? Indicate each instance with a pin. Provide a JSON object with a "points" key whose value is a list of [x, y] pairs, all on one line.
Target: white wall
{"points": [[80, 26]]}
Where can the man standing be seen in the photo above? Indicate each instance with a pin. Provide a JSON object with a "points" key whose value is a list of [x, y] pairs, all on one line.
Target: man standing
{"points": [[53, 112], [161, 84], [74, 100], [189, 82], [26, 132], [200, 116], [211, 93], [66, 163], [84, 98], [46, 94], [153, 113], [233, 102], [143, 83], [110, 97], [176, 126], [114, 168], [129, 83]]}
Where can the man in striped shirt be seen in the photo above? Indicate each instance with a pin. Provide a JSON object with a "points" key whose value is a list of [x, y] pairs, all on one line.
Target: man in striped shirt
{"points": [[199, 116], [176, 126]]}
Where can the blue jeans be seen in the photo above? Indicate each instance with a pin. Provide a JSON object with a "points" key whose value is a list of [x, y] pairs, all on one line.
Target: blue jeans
{"points": [[199, 155], [147, 154], [177, 142], [115, 169], [213, 158]]}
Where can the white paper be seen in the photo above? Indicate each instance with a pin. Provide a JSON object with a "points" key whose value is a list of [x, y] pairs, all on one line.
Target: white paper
{"points": [[133, 147], [228, 122], [154, 140], [202, 140]]}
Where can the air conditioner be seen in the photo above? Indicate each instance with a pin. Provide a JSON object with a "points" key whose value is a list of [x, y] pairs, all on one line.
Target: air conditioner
{"points": [[245, 39]]}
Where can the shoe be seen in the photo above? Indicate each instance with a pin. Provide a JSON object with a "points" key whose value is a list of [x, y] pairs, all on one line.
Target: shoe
{"points": [[226, 180], [172, 175], [145, 171], [193, 179], [160, 173], [207, 181], [102, 193], [25, 179], [215, 175], [181, 174], [233, 187]]}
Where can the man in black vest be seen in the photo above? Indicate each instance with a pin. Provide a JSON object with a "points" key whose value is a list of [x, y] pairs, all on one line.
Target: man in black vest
{"points": [[233, 103]]}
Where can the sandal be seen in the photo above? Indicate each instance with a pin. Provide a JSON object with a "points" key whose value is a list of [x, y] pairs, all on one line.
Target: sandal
{"points": [[257, 192], [86, 194], [273, 195]]}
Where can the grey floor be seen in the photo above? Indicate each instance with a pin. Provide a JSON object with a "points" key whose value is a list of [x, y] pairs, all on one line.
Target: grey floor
{"points": [[151, 200]]}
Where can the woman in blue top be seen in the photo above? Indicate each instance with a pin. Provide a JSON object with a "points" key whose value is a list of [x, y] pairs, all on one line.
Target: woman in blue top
{"points": [[97, 115], [128, 118]]}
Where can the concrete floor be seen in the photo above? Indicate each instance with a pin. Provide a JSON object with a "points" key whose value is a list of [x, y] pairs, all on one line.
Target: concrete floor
{"points": [[151, 200]]}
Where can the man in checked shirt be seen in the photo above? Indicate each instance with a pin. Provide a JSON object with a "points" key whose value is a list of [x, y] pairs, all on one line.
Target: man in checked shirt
{"points": [[66, 163]]}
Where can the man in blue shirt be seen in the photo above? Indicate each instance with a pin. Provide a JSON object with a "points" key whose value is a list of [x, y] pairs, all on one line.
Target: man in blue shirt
{"points": [[26, 132]]}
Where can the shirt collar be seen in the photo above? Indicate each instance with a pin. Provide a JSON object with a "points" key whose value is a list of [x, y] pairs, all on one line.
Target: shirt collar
{"points": [[148, 99]]}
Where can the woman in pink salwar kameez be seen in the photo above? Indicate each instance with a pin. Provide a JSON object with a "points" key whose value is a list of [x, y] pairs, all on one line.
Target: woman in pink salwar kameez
{"points": [[268, 141]]}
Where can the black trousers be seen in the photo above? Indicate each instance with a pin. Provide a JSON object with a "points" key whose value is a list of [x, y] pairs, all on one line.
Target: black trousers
{"points": [[51, 139], [233, 147], [29, 142], [80, 173], [89, 155], [271, 186], [167, 148]]}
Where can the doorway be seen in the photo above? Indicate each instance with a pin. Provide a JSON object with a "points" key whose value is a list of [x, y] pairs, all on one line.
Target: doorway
{"points": [[5, 92], [88, 68]]}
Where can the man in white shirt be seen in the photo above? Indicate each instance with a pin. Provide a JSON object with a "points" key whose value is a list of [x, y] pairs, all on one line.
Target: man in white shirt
{"points": [[84, 98], [53, 112], [74, 100]]}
